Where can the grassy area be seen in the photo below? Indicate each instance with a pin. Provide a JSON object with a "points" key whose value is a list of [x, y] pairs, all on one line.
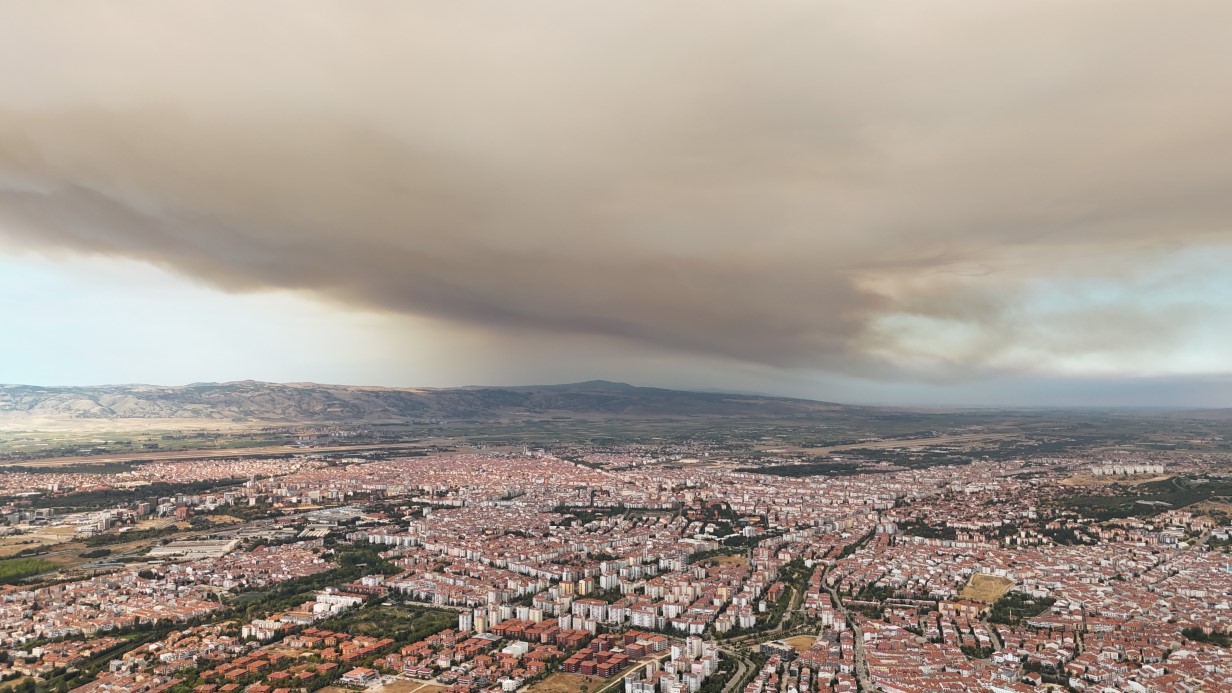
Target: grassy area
{"points": [[16, 569], [723, 556]]}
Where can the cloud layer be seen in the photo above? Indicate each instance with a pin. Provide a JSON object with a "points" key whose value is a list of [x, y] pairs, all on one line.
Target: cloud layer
{"points": [[942, 189]]}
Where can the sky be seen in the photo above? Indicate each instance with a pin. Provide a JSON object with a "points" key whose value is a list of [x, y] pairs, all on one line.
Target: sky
{"points": [[957, 202]]}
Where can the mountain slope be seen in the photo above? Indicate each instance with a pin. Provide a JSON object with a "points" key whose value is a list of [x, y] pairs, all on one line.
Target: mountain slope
{"points": [[275, 402]]}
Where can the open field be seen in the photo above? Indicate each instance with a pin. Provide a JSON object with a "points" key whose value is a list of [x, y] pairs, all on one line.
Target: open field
{"points": [[410, 687], [82, 437], [801, 642], [986, 588], [154, 456], [561, 682], [49, 536], [1221, 509], [13, 424], [894, 443], [66, 554], [730, 559], [1092, 480]]}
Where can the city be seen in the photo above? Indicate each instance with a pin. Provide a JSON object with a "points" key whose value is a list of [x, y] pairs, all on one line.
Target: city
{"points": [[613, 570], [615, 346]]}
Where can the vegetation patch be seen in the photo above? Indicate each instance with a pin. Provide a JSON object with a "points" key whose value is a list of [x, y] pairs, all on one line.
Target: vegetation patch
{"points": [[1214, 637], [812, 469], [1150, 498], [404, 623], [1016, 607], [16, 569]]}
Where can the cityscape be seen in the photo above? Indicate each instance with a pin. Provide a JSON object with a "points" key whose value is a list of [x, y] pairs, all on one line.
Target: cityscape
{"points": [[615, 346], [667, 564]]}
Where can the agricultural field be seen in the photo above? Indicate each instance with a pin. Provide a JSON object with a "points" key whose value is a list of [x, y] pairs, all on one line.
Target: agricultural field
{"points": [[94, 447]]}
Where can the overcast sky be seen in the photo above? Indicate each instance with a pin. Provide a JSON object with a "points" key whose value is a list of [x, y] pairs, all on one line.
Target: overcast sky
{"points": [[948, 202]]}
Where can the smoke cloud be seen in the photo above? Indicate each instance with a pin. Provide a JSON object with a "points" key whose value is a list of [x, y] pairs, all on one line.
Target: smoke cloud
{"points": [[942, 188]]}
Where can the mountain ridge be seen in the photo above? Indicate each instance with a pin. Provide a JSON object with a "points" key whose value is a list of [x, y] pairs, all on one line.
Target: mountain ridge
{"points": [[250, 400]]}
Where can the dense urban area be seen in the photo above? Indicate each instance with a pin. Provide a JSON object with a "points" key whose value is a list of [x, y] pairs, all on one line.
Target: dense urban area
{"points": [[639, 346], [692, 564]]}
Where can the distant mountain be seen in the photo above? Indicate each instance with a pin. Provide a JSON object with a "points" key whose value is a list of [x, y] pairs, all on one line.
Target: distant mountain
{"points": [[310, 402]]}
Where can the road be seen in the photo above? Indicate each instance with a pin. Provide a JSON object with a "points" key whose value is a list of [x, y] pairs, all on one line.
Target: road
{"points": [[862, 677], [742, 668], [992, 633]]}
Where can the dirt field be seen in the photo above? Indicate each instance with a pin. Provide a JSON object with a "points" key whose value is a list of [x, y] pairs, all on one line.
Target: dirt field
{"points": [[1092, 480], [801, 642], [410, 687], [569, 683], [50, 536], [69, 555], [1205, 508], [731, 560], [986, 588]]}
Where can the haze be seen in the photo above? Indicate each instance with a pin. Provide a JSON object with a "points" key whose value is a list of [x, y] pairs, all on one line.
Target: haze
{"points": [[944, 202]]}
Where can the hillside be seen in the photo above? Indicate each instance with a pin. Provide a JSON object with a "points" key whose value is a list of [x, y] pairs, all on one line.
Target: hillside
{"points": [[309, 402]]}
